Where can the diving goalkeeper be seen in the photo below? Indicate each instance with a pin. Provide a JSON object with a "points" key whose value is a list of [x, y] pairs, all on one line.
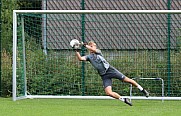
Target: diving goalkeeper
{"points": [[107, 72]]}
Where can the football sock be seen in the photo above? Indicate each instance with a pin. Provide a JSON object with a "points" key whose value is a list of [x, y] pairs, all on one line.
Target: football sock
{"points": [[140, 88], [122, 99]]}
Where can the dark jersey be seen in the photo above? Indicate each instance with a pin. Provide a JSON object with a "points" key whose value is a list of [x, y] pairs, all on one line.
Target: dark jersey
{"points": [[98, 62]]}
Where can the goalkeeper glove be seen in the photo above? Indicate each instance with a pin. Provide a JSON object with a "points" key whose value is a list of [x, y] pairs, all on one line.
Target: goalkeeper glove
{"points": [[75, 49], [83, 44]]}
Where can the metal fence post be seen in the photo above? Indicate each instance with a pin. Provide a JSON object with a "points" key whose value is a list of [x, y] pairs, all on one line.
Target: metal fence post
{"points": [[0, 51], [83, 49], [168, 45]]}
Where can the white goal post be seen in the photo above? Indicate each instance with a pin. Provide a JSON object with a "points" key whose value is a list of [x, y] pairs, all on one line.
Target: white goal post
{"points": [[27, 95], [158, 79]]}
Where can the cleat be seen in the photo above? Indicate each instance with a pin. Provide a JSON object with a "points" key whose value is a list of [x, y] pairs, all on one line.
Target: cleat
{"points": [[145, 92], [127, 101]]}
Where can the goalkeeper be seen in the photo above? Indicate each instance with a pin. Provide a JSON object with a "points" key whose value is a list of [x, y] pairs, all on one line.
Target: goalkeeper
{"points": [[107, 72]]}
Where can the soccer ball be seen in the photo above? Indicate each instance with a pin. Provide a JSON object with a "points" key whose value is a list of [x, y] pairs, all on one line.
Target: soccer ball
{"points": [[75, 43]]}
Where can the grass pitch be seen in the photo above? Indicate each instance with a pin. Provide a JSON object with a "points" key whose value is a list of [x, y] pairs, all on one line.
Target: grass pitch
{"points": [[78, 107]]}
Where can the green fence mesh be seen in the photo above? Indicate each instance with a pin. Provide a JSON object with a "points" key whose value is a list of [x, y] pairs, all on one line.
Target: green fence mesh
{"points": [[136, 44], [139, 45]]}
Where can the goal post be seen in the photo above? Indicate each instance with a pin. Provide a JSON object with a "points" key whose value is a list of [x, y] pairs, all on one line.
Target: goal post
{"points": [[152, 79], [139, 43]]}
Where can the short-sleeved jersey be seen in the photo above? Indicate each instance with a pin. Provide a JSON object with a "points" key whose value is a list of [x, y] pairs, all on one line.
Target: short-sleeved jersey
{"points": [[98, 62]]}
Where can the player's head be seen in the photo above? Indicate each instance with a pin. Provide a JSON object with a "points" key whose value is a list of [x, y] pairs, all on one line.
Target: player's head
{"points": [[92, 44]]}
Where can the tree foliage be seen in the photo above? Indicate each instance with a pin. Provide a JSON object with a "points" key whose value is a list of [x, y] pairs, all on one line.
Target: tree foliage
{"points": [[7, 20], [7, 7]]}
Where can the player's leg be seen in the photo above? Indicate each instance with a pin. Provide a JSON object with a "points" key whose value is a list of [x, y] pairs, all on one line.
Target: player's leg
{"points": [[131, 81], [122, 77], [109, 92], [134, 83], [115, 95]]}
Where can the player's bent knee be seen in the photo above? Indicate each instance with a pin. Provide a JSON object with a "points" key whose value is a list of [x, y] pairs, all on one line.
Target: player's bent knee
{"points": [[108, 90], [109, 93]]}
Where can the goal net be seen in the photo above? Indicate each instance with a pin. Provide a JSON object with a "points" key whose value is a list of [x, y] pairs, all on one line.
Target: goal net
{"points": [[139, 43]]}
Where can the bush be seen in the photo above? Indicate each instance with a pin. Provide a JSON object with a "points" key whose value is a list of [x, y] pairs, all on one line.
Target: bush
{"points": [[6, 73], [60, 73]]}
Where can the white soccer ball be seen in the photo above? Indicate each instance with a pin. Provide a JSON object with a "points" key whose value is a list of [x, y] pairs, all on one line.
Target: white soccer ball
{"points": [[75, 43]]}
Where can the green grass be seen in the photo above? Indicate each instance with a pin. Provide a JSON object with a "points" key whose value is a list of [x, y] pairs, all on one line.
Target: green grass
{"points": [[78, 107]]}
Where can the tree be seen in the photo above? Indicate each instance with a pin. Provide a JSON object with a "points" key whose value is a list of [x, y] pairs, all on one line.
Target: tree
{"points": [[7, 23]]}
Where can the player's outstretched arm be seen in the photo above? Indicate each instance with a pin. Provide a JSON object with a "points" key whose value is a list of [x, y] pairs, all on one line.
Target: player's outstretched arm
{"points": [[91, 48], [80, 58]]}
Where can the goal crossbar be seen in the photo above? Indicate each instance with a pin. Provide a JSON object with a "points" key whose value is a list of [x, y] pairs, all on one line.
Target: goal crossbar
{"points": [[97, 11]]}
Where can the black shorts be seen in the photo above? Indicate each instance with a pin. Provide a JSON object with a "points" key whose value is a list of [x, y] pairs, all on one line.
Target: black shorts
{"points": [[111, 73]]}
